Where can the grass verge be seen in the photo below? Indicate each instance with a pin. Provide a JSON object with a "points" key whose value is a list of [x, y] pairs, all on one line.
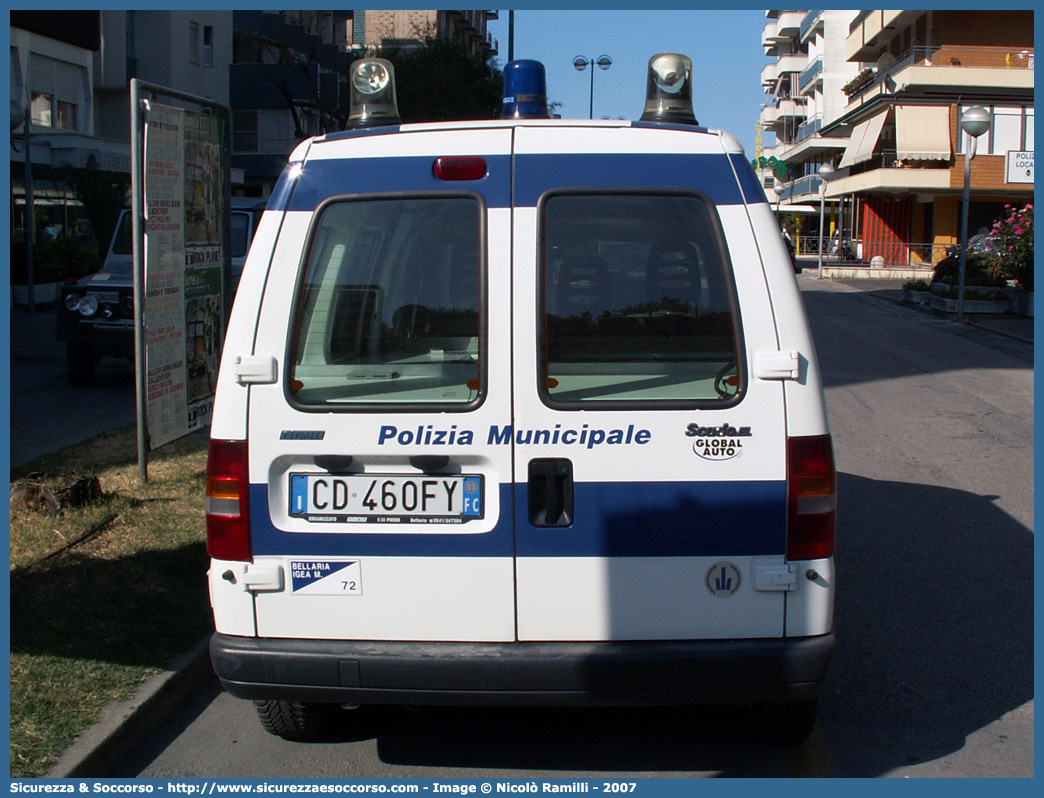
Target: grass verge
{"points": [[105, 595]]}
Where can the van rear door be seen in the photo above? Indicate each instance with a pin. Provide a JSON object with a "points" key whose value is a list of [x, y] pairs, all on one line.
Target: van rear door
{"points": [[650, 461], [376, 495]]}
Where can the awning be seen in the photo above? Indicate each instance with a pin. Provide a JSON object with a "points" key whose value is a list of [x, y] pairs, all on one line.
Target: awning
{"points": [[922, 132], [863, 140], [797, 209]]}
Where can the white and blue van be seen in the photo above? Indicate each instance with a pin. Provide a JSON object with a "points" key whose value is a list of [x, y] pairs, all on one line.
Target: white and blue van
{"points": [[521, 412]]}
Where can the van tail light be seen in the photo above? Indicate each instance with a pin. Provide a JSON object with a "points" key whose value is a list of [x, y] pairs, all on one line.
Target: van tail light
{"points": [[812, 498], [228, 501]]}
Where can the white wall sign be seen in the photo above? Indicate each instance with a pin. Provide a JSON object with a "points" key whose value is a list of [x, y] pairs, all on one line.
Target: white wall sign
{"points": [[1019, 167]]}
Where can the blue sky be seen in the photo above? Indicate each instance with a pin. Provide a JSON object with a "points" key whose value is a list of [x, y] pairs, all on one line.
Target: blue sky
{"points": [[725, 48]]}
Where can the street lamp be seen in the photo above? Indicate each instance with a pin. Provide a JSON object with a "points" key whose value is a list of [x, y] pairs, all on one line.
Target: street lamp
{"points": [[25, 122], [777, 187], [580, 63], [825, 173], [974, 122]]}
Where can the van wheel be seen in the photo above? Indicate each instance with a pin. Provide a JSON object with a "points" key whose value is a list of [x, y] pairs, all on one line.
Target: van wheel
{"points": [[79, 363], [787, 724], [293, 720]]}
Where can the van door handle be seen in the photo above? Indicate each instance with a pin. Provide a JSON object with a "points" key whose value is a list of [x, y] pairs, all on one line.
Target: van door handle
{"points": [[551, 492]]}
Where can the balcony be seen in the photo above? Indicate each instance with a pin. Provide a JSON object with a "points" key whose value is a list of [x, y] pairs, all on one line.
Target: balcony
{"points": [[789, 23], [871, 31], [769, 75], [811, 75], [809, 25], [768, 35], [792, 63], [803, 188], [769, 115], [809, 127], [792, 109], [883, 172], [953, 66]]}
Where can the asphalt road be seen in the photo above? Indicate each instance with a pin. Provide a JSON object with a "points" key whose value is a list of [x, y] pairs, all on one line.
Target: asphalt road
{"points": [[933, 676], [46, 412]]}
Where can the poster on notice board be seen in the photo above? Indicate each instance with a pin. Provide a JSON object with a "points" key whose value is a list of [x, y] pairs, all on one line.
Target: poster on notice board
{"points": [[183, 270]]}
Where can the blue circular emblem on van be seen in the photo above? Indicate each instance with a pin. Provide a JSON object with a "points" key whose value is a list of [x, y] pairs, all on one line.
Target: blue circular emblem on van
{"points": [[723, 579]]}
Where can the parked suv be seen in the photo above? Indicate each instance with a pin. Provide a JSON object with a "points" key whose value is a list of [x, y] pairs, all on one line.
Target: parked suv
{"points": [[96, 313]]}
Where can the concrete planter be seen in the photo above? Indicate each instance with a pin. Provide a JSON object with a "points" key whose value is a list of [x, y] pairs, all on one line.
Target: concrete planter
{"points": [[43, 294], [916, 297], [970, 305], [1020, 302]]}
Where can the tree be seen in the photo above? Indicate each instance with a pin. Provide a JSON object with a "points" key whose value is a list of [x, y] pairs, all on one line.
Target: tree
{"points": [[442, 81], [103, 194], [779, 169]]}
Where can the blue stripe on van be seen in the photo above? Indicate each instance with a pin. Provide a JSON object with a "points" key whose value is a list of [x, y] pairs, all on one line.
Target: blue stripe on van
{"points": [[322, 179], [753, 191], [641, 519], [712, 174], [663, 519]]}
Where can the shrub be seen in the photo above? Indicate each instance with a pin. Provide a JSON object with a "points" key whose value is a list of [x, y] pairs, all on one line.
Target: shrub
{"points": [[976, 272], [860, 80], [54, 261], [916, 285], [1013, 259]]}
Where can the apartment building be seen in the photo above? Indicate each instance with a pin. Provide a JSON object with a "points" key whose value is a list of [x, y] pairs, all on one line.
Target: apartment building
{"points": [[894, 84], [188, 51], [52, 75], [902, 171], [804, 86], [406, 29], [72, 69]]}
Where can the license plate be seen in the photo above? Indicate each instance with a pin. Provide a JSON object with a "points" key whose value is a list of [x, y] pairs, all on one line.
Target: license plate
{"points": [[386, 499], [112, 297]]}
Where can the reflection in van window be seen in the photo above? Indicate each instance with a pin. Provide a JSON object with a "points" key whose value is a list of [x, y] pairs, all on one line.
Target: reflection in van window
{"points": [[388, 312], [636, 301]]}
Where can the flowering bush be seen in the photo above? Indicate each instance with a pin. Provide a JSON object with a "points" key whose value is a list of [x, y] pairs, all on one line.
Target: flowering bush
{"points": [[1013, 259]]}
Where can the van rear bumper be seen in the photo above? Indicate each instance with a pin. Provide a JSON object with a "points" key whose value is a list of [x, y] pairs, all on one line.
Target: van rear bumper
{"points": [[523, 674]]}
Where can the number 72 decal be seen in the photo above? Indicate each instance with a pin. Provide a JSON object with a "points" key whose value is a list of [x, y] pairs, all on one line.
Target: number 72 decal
{"points": [[326, 577]]}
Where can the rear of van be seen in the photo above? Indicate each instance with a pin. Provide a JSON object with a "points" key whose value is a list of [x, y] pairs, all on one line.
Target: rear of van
{"points": [[520, 412]]}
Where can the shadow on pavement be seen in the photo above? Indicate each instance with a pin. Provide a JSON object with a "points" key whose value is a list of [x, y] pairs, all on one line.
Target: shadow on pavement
{"points": [[935, 641]]}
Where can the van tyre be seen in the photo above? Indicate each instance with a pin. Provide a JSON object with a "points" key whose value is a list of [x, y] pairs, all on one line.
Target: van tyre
{"points": [[294, 720], [784, 723], [79, 363]]}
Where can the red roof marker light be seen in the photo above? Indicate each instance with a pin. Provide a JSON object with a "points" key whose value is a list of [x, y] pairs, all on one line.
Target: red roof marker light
{"points": [[460, 167]]}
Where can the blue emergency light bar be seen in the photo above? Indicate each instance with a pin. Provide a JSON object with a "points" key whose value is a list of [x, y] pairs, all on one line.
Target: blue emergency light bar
{"points": [[525, 91]]}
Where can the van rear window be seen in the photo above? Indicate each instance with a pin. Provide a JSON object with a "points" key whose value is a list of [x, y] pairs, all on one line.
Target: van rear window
{"points": [[388, 312], [637, 302]]}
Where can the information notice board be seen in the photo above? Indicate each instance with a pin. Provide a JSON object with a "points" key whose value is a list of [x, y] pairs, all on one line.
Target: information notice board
{"points": [[184, 257]]}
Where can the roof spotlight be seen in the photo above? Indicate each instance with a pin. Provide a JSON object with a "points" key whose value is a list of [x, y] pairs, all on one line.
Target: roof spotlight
{"points": [[373, 94], [668, 91]]}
